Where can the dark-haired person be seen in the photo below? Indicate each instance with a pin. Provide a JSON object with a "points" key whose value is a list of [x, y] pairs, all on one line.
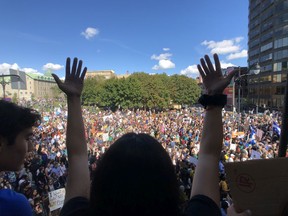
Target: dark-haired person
{"points": [[16, 125], [135, 176]]}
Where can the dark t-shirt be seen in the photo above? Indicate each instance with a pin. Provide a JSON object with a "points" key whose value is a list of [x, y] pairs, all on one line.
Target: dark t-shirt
{"points": [[199, 205]]}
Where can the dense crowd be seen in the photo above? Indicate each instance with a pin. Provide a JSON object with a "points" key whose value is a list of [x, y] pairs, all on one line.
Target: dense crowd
{"points": [[247, 136]]}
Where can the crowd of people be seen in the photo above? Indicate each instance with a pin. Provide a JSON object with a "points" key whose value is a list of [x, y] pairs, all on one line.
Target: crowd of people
{"points": [[245, 137], [179, 132]]}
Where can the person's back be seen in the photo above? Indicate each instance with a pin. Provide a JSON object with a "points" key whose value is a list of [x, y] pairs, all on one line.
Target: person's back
{"points": [[135, 177]]}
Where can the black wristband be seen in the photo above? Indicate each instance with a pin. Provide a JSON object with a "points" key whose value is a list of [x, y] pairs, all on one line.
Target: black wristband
{"points": [[219, 100]]}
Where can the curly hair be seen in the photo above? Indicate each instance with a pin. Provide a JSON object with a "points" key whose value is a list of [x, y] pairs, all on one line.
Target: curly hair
{"points": [[14, 119]]}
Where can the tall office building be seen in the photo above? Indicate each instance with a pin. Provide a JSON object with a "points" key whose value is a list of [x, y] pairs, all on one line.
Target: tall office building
{"points": [[268, 46]]}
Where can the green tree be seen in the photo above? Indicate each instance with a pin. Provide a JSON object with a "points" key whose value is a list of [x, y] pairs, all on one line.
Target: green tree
{"points": [[184, 90], [92, 90]]}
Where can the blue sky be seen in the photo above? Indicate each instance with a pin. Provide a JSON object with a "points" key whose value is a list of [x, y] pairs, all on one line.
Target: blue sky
{"points": [[153, 36]]}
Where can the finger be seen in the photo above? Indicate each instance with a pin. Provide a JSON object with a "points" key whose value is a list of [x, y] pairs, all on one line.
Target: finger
{"points": [[79, 68], [217, 64], [83, 73], [67, 67], [209, 63], [74, 66], [204, 66], [201, 71]]}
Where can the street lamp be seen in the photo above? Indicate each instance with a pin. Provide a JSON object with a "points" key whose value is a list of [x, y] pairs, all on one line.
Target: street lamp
{"points": [[254, 70], [3, 82]]}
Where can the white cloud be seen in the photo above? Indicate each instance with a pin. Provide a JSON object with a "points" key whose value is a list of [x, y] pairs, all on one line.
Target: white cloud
{"points": [[4, 68], [192, 69], [224, 46], [29, 70], [164, 64], [90, 32], [162, 56], [164, 61], [237, 55], [52, 67], [166, 49], [226, 65]]}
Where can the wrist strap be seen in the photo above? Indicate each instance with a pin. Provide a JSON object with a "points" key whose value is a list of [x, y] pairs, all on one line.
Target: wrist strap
{"points": [[219, 100]]}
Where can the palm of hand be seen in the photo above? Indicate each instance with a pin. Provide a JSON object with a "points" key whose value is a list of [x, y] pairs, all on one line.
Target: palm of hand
{"points": [[213, 79], [73, 84], [215, 84]]}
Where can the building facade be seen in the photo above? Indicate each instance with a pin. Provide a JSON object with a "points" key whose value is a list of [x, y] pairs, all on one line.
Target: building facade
{"points": [[29, 86], [103, 73], [268, 46]]}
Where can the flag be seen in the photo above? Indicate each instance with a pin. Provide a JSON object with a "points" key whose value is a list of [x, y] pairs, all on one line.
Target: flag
{"points": [[252, 136], [276, 128]]}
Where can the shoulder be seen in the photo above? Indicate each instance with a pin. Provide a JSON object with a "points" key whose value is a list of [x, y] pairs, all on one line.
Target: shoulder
{"points": [[202, 205], [12, 203], [75, 206]]}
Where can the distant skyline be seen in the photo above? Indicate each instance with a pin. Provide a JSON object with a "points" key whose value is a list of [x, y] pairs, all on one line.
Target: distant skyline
{"points": [[150, 36]]}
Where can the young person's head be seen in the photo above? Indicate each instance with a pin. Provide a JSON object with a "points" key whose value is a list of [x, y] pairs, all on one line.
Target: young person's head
{"points": [[15, 130], [135, 177]]}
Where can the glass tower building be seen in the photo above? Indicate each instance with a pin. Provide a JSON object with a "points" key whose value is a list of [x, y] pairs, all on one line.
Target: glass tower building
{"points": [[268, 46]]}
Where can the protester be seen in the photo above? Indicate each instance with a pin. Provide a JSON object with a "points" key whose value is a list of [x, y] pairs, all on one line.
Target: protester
{"points": [[178, 131], [15, 131]]}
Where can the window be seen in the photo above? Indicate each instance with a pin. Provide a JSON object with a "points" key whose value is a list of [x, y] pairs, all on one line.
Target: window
{"points": [[266, 57], [266, 68], [266, 47], [280, 54], [281, 42], [254, 42], [279, 66], [254, 52], [266, 36], [277, 78]]}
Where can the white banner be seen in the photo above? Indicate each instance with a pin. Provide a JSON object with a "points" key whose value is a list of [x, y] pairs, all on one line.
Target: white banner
{"points": [[56, 199]]}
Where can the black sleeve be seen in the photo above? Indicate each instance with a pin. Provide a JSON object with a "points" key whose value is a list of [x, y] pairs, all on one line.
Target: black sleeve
{"points": [[201, 205], [75, 206]]}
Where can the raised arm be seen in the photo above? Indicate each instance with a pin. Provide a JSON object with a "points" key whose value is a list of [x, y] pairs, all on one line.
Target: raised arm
{"points": [[78, 182], [206, 178]]}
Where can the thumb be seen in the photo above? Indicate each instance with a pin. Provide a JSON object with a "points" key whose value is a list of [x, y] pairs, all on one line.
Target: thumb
{"points": [[232, 74], [57, 79]]}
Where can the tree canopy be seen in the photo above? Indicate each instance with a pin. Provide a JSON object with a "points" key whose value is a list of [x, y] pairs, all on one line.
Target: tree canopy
{"points": [[141, 90]]}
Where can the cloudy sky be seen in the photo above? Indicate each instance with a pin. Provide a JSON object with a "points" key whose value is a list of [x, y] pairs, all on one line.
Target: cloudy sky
{"points": [[153, 36]]}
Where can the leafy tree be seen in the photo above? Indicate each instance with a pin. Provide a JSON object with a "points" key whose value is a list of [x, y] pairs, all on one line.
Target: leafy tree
{"points": [[92, 90], [56, 92], [184, 90]]}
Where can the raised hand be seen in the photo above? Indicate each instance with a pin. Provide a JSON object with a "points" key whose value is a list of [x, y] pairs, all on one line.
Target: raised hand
{"points": [[213, 79], [74, 78]]}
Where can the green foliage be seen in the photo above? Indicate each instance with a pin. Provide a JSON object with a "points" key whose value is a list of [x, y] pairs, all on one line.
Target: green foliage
{"points": [[140, 90], [14, 98], [56, 92], [184, 90]]}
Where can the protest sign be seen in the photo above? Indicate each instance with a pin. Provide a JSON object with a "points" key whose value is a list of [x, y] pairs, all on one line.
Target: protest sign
{"points": [[105, 137], [259, 185], [56, 199]]}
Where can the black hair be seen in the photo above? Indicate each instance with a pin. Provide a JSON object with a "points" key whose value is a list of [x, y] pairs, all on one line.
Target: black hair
{"points": [[135, 177], [14, 119]]}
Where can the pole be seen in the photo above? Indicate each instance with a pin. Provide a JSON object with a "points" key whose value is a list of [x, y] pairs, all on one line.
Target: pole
{"points": [[239, 89], [4, 83], [3, 86], [284, 126]]}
